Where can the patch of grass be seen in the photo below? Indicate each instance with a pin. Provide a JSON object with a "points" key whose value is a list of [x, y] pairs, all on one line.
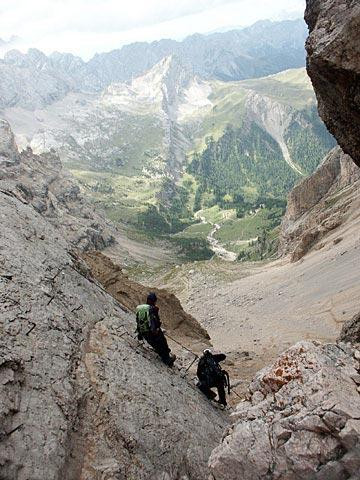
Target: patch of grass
{"points": [[216, 215], [192, 248], [291, 87], [229, 108], [200, 230], [148, 132], [249, 227], [122, 198]]}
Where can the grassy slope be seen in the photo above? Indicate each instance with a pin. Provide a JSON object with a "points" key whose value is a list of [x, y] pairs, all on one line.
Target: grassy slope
{"points": [[291, 87], [235, 234]]}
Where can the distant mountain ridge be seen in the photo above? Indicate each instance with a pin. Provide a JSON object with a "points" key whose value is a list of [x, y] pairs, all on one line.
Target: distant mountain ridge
{"points": [[33, 80]]}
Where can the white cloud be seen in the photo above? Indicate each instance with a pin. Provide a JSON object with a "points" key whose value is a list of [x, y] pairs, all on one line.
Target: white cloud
{"points": [[86, 26]]}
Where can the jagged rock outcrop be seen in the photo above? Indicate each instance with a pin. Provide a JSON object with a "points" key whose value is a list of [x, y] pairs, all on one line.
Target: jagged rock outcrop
{"points": [[30, 81], [319, 204], [80, 397], [41, 181], [333, 65], [350, 331], [300, 421]]}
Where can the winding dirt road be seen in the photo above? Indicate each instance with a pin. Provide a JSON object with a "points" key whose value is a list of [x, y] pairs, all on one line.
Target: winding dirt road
{"points": [[218, 249]]}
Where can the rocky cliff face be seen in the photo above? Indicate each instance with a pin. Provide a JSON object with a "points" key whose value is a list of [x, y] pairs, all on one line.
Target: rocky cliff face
{"points": [[275, 119], [30, 81], [319, 204], [81, 398], [334, 67], [182, 326]]}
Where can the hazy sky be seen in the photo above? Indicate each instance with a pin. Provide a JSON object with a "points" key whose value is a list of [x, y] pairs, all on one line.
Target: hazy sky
{"points": [[84, 27]]}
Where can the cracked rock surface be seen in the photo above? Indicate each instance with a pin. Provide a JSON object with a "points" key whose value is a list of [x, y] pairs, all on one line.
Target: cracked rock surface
{"points": [[350, 331], [301, 419], [80, 398]]}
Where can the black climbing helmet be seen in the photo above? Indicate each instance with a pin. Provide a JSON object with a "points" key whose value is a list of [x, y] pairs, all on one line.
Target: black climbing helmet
{"points": [[151, 298]]}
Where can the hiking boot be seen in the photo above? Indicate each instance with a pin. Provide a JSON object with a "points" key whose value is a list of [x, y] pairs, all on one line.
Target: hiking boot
{"points": [[170, 361]]}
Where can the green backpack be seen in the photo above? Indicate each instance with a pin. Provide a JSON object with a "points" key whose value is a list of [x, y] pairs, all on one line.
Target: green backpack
{"points": [[143, 319]]}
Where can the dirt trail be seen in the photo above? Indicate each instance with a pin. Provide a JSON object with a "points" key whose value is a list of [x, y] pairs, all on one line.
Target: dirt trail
{"points": [[217, 248]]}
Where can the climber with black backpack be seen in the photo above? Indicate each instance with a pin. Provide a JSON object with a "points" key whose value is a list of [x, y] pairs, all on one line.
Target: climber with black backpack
{"points": [[149, 328], [211, 375]]}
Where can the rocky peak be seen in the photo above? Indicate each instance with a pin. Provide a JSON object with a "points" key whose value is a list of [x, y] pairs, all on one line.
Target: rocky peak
{"points": [[225, 56], [177, 76], [66, 62], [34, 58], [159, 90], [170, 76]]}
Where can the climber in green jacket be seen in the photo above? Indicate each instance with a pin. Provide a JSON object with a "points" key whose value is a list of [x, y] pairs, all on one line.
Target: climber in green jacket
{"points": [[149, 328]]}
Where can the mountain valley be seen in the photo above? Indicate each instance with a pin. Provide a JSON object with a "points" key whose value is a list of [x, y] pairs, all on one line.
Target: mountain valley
{"points": [[142, 151]]}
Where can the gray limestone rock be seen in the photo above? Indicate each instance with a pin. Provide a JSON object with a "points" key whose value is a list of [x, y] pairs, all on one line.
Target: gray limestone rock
{"points": [[307, 425], [319, 204], [8, 150], [350, 331]]}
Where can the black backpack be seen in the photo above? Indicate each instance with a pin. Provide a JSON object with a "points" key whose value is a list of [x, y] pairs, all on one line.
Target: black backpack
{"points": [[209, 370]]}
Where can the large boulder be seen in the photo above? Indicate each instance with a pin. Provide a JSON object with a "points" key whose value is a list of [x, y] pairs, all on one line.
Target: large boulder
{"points": [[9, 154], [333, 64], [300, 421]]}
